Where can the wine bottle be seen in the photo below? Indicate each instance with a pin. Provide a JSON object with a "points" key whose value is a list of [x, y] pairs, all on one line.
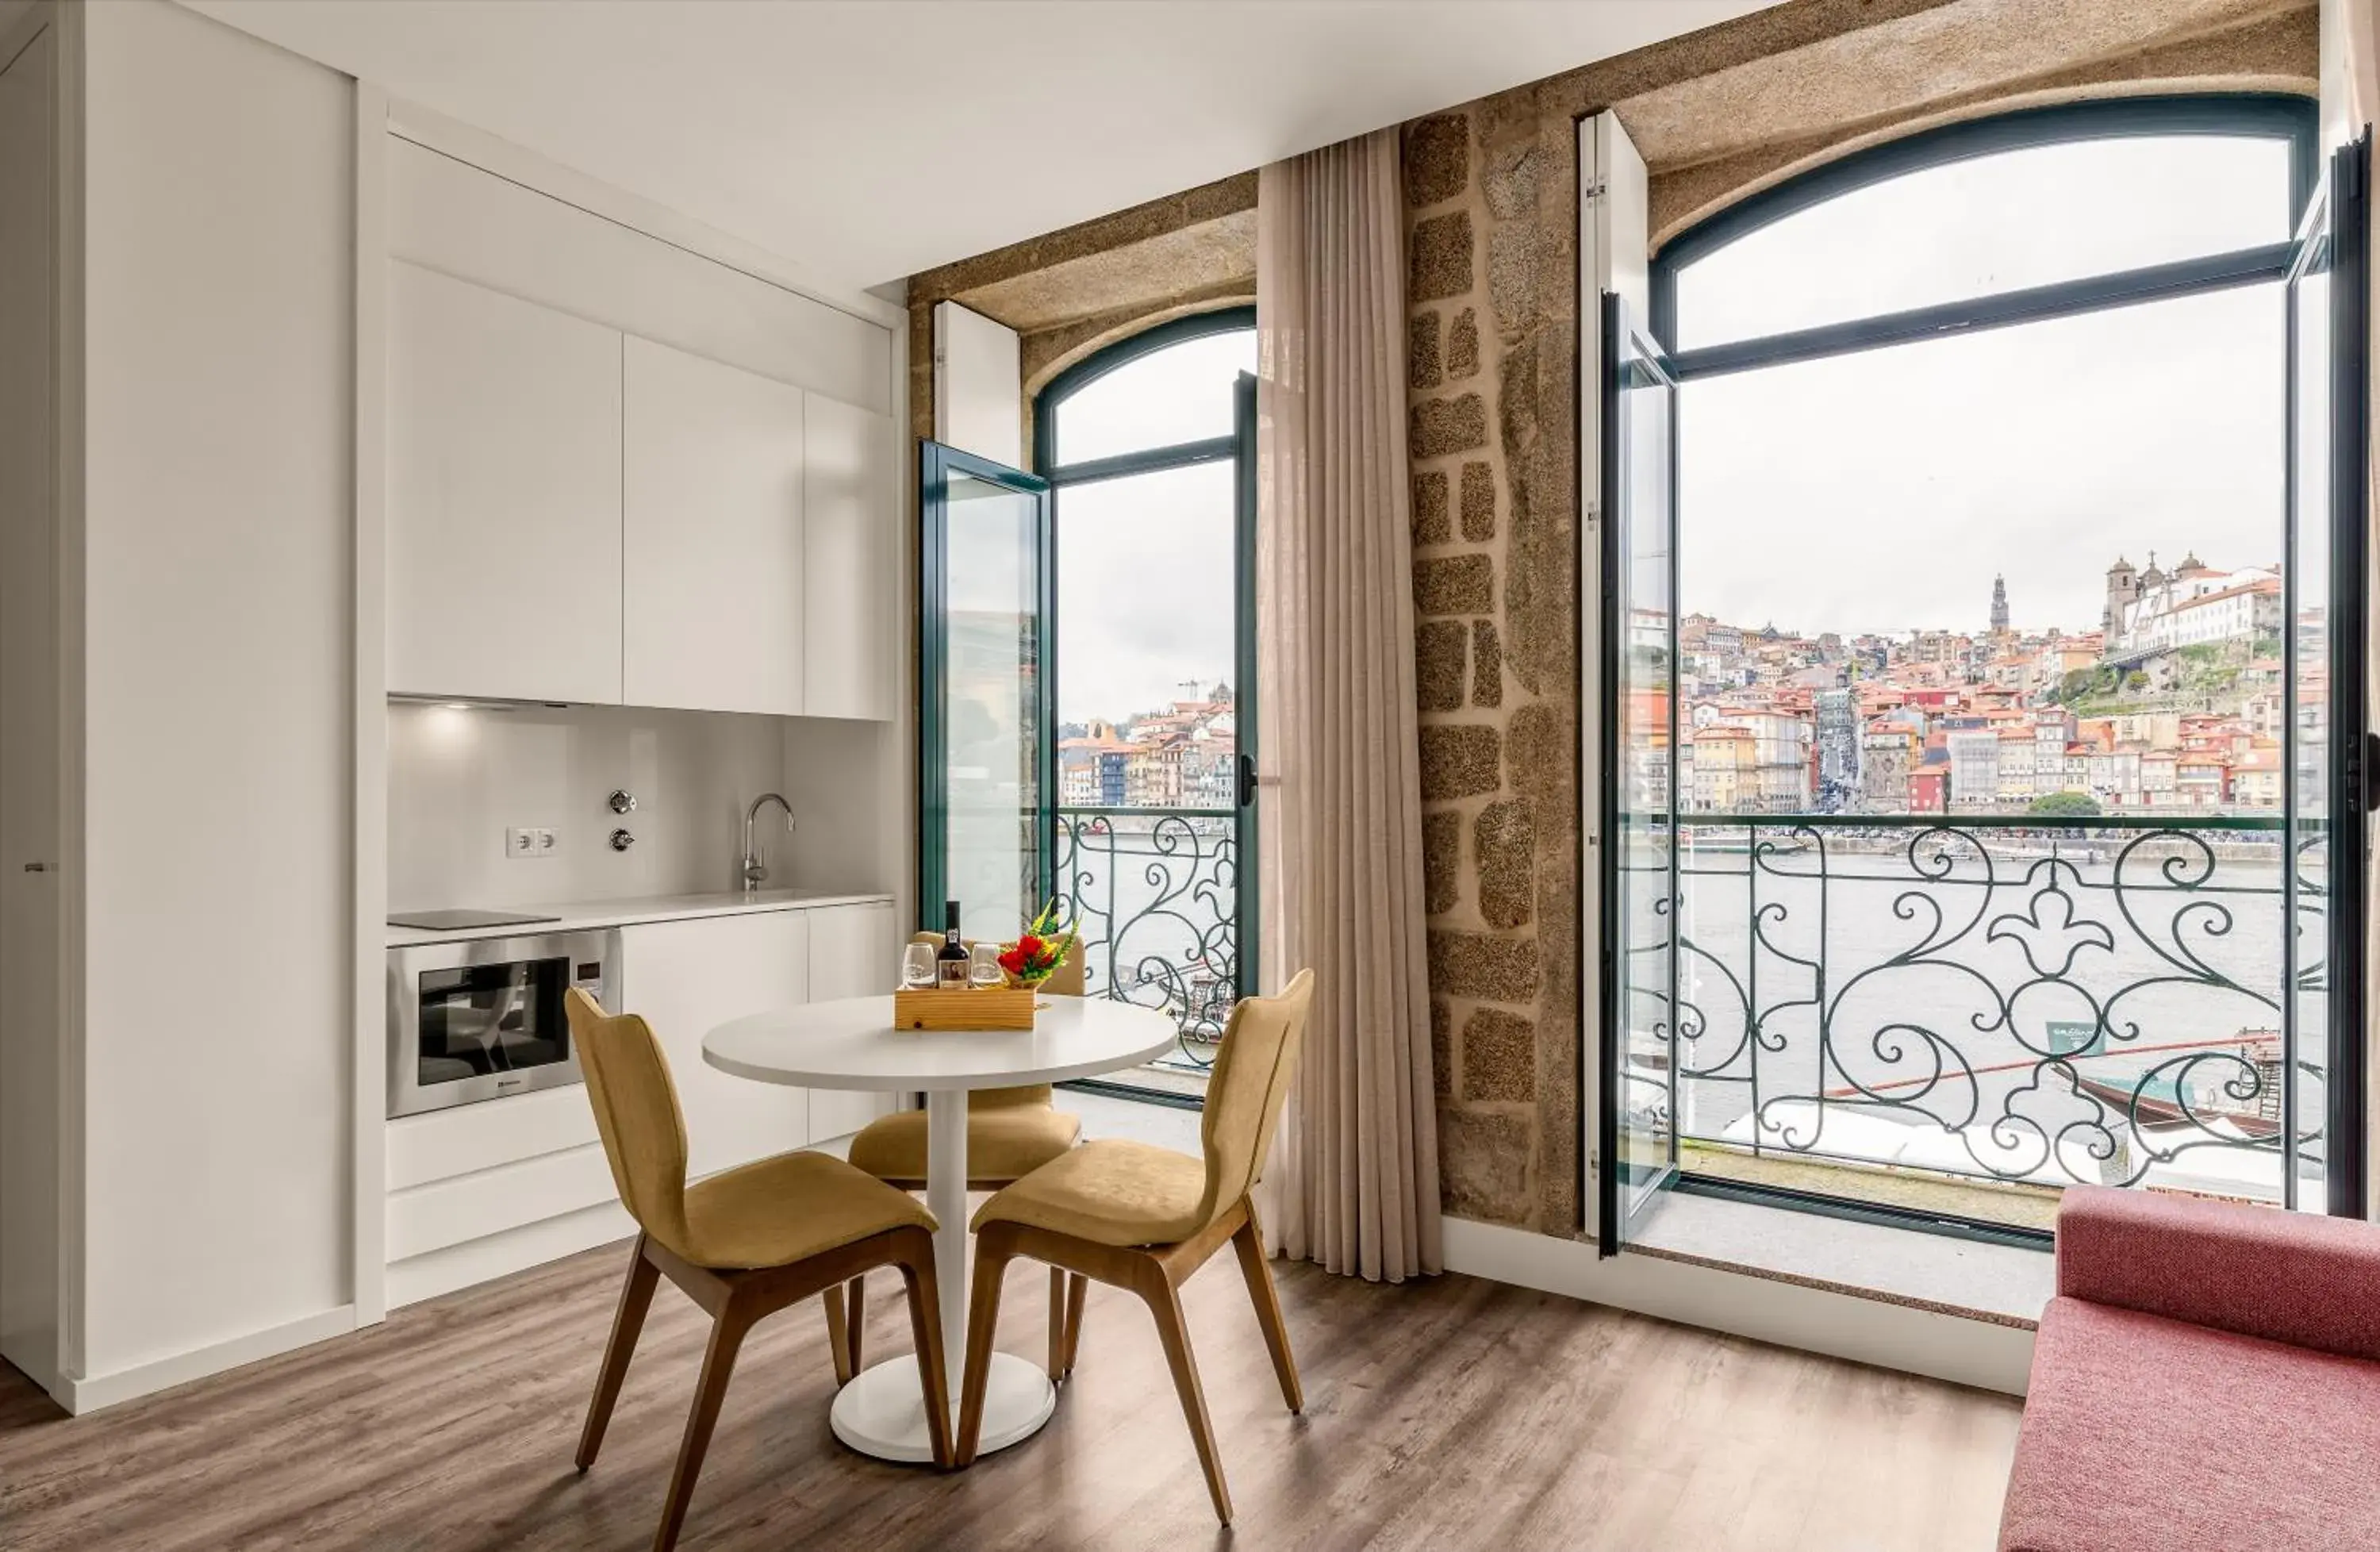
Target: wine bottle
{"points": [[950, 963]]}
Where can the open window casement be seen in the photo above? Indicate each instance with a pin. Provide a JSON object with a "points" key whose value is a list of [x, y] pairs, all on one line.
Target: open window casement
{"points": [[1627, 549]]}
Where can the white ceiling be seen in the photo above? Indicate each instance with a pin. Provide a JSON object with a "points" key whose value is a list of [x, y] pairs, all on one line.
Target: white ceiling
{"points": [[869, 139]]}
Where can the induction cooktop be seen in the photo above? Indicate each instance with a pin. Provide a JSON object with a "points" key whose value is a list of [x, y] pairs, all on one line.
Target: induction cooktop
{"points": [[452, 921]]}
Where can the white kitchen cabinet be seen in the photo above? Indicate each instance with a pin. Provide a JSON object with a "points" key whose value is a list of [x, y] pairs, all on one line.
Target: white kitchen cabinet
{"points": [[686, 978], [713, 594], [855, 952], [850, 507], [504, 496]]}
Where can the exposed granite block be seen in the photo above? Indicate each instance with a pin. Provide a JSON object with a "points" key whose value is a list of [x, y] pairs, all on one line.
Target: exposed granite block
{"points": [[1509, 183], [1441, 861], [1458, 762], [1482, 1165], [1438, 260], [1493, 969], [1443, 426], [1545, 759], [1513, 275], [1504, 847], [1439, 649], [1431, 522], [1499, 1057], [1516, 401], [1437, 158], [1462, 346], [1487, 665], [1442, 1049], [1423, 369], [1478, 503], [1455, 585]]}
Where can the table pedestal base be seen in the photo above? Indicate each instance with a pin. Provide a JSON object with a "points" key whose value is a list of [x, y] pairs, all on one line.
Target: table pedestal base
{"points": [[882, 1413]]}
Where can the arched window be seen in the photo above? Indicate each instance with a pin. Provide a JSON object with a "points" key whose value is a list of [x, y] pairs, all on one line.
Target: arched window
{"points": [[1147, 446], [1141, 447], [2050, 209], [1997, 495], [1935, 390]]}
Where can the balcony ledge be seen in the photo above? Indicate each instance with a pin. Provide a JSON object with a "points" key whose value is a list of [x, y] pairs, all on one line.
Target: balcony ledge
{"points": [[2001, 1285]]}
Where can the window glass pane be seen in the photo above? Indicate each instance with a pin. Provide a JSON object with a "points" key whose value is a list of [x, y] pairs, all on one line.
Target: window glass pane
{"points": [[1876, 509], [1988, 224], [991, 714], [1974, 596], [1180, 394], [2307, 651], [1146, 599]]}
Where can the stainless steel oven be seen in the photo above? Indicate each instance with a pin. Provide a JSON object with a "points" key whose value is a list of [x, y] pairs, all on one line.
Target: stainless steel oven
{"points": [[484, 1017]]}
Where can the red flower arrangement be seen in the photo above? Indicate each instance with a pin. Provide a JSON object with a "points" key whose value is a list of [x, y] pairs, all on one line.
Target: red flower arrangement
{"points": [[1036, 955]]}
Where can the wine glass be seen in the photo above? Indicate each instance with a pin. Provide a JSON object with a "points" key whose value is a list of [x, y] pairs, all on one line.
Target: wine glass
{"points": [[917, 966], [984, 967]]}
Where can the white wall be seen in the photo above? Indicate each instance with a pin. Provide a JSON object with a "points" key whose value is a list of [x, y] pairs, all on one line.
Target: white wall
{"points": [[28, 707], [458, 779], [978, 404], [218, 629], [849, 783]]}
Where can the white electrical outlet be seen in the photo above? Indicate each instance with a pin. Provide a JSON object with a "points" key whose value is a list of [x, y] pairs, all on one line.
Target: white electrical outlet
{"points": [[520, 841], [544, 841]]}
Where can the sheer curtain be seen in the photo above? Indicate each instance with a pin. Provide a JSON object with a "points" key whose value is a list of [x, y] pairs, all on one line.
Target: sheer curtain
{"points": [[1352, 1182]]}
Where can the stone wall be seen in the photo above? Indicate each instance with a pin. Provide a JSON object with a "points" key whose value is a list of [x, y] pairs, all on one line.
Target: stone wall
{"points": [[1495, 579]]}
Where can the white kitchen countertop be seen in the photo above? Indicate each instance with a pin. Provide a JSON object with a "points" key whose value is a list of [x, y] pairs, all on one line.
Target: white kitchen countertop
{"points": [[585, 915]]}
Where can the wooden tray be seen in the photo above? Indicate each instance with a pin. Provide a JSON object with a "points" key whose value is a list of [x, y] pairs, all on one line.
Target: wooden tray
{"points": [[986, 1008]]}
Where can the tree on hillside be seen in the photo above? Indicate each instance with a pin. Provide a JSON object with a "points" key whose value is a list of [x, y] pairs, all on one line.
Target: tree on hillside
{"points": [[2065, 805]]}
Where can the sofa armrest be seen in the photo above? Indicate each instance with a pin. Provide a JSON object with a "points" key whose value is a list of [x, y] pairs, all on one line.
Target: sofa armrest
{"points": [[2294, 1278]]}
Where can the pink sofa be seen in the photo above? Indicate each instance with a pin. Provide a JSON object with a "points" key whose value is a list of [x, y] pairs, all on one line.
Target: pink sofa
{"points": [[2207, 1377]]}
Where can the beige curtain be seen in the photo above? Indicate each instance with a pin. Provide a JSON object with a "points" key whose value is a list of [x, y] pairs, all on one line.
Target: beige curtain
{"points": [[1352, 1184]]}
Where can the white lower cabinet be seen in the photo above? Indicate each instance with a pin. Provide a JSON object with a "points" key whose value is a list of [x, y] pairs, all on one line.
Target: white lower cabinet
{"points": [[855, 952], [685, 978], [484, 1190]]}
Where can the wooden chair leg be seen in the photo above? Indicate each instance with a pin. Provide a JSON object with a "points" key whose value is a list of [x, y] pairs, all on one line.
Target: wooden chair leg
{"points": [[1077, 1285], [838, 1335], [1166, 1305], [636, 1298], [1057, 1324], [926, 1331], [992, 1258], [718, 1362], [1254, 1266], [858, 1322]]}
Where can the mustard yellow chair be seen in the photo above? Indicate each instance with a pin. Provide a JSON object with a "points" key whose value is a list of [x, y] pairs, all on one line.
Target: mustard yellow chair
{"points": [[1142, 1218], [744, 1243], [1011, 1132]]}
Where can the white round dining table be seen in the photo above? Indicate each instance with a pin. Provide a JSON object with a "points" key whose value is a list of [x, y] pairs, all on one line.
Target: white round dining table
{"points": [[852, 1044]]}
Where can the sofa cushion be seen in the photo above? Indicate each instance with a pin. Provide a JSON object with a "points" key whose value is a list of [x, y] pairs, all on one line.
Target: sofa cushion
{"points": [[2147, 1435], [2288, 1276]]}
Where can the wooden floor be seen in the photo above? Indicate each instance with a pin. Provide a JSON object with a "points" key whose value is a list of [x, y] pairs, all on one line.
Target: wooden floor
{"points": [[1450, 1414]]}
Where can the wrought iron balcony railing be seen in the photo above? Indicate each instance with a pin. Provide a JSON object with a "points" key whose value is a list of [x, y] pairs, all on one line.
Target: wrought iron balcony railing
{"points": [[2112, 999], [1157, 892]]}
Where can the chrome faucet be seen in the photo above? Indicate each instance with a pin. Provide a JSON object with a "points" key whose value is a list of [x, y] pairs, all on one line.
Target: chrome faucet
{"points": [[755, 870]]}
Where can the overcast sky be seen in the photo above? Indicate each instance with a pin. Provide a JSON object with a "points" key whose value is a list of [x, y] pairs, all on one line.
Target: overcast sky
{"points": [[1882, 490], [1145, 564]]}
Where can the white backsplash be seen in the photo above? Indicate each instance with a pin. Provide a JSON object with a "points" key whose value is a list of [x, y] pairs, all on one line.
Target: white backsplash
{"points": [[458, 779]]}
